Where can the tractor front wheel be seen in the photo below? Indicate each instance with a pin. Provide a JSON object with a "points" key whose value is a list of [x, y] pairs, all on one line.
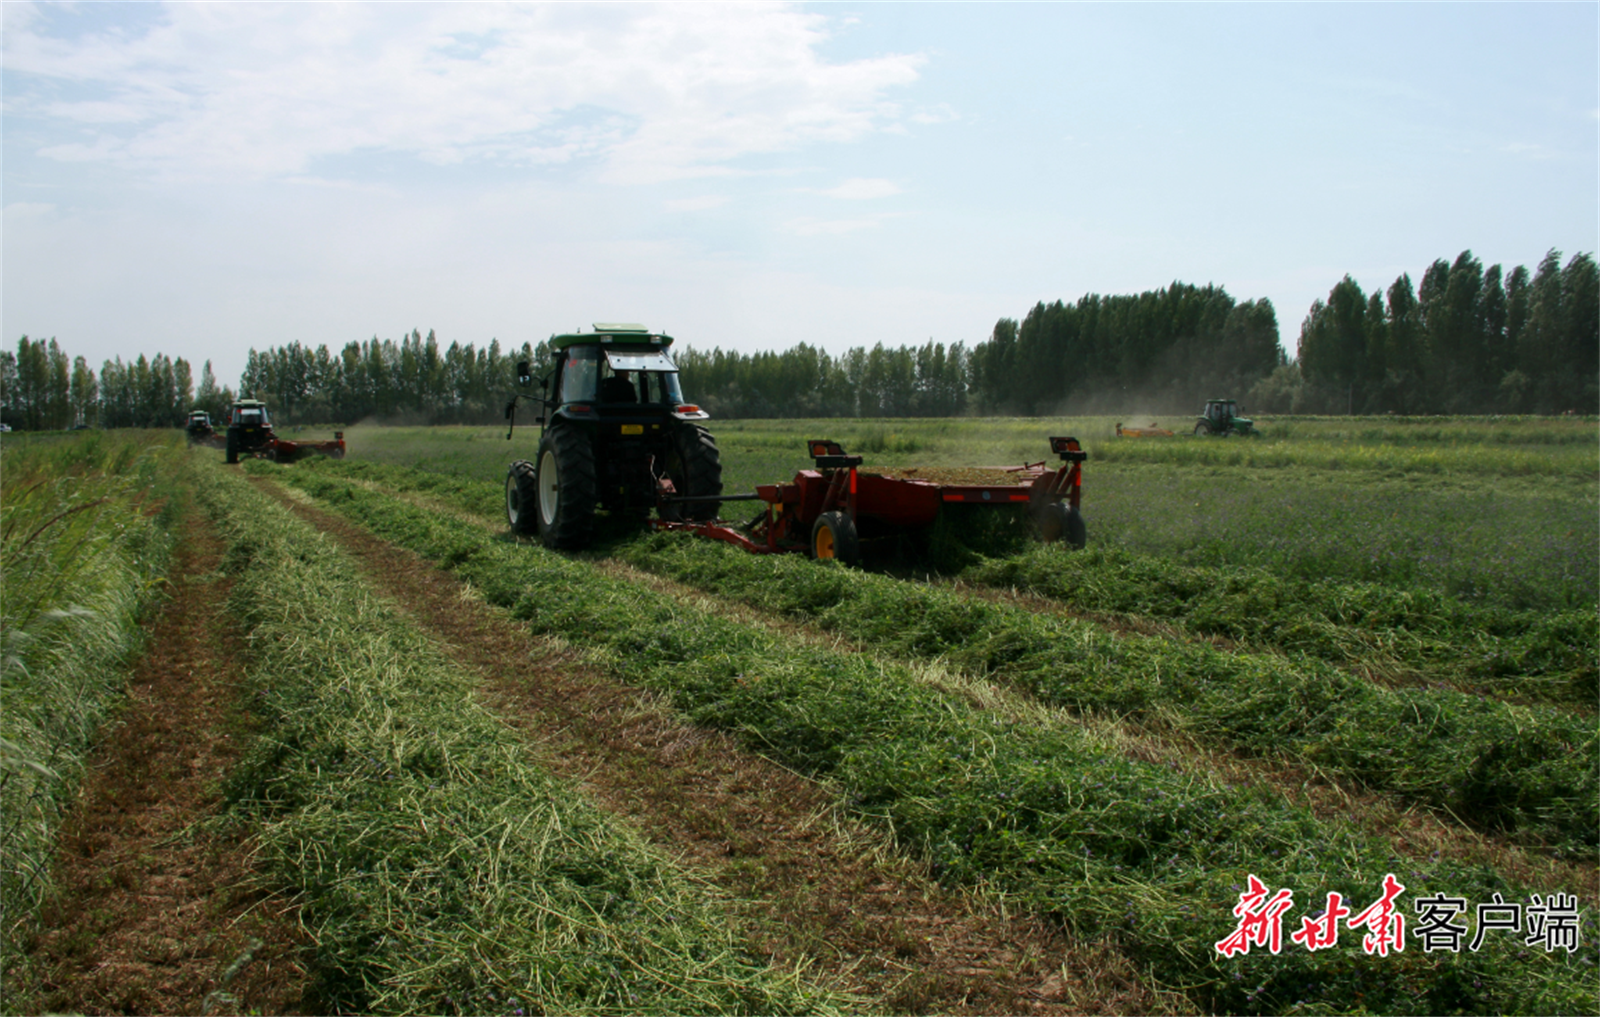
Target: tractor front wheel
{"points": [[522, 498], [834, 536], [567, 489], [1063, 522]]}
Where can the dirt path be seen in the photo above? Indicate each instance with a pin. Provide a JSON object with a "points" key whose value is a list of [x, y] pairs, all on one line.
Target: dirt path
{"points": [[813, 883], [152, 912]]}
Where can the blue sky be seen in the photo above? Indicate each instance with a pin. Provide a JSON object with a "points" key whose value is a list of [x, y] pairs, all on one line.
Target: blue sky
{"points": [[202, 179]]}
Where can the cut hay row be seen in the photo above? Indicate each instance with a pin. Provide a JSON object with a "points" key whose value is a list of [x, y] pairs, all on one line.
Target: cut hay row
{"points": [[1417, 635], [1428, 638], [1154, 856], [84, 542], [1532, 772], [437, 867]]}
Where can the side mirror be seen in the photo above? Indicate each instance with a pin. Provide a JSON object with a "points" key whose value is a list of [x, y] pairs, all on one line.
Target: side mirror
{"points": [[524, 376]]}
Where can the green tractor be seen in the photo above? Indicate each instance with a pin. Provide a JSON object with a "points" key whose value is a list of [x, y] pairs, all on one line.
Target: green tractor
{"points": [[1222, 418], [615, 435]]}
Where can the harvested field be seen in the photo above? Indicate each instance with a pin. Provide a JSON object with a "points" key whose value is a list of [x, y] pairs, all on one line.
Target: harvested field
{"points": [[429, 767]]}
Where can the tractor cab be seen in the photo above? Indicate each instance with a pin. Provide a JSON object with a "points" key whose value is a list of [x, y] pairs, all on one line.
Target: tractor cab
{"points": [[249, 413], [616, 435], [615, 371]]}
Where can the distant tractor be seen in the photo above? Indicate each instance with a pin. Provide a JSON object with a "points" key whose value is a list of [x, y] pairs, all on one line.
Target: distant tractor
{"points": [[200, 431], [250, 435], [616, 435], [1221, 417]]}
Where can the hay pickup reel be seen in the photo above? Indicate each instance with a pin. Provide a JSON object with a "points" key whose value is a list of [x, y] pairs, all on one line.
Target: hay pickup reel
{"points": [[827, 511]]}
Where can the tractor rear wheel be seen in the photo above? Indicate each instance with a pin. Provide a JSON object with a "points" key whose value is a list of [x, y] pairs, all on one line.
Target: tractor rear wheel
{"points": [[1063, 522], [566, 489], [522, 498], [231, 449], [1201, 429], [695, 467], [834, 536]]}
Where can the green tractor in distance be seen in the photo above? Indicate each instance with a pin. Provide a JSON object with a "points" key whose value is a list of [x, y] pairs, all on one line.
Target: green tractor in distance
{"points": [[1222, 418], [615, 435]]}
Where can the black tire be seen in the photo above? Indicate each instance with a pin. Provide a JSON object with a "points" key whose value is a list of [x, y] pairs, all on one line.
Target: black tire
{"points": [[231, 448], [695, 467], [522, 498], [1201, 429], [566, 489], [834, 536], [1061, 522]]}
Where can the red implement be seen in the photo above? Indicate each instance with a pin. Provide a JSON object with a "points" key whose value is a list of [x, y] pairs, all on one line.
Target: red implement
{"points": [[826, 511]]}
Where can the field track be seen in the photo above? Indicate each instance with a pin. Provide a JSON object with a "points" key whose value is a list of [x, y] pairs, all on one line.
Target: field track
{"points": [[155, 906], [819, 885]]}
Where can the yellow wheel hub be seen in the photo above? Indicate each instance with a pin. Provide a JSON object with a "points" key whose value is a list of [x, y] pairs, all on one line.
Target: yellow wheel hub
{"points": [[824, 546]]}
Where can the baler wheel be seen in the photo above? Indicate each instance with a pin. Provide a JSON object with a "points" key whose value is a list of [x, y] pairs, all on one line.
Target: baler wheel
{"points": [[1063, 522], [834, 536]]}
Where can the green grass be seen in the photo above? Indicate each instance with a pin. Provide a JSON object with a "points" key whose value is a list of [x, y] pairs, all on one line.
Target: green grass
{"points": [[1064, 822], [85, 537], [1498, 511], [1415, 636], [1531, 771], [438, 869]]}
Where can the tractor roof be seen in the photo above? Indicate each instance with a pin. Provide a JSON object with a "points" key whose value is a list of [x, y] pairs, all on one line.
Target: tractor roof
{"points": [[249, 403], [608, 332]]}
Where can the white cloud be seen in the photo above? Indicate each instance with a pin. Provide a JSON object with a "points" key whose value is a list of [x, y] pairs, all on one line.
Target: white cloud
{"points": [[940, 114], [808, 227], [699, 204], [1529, 150], [263, 90], [23, 211], [862, 189]]}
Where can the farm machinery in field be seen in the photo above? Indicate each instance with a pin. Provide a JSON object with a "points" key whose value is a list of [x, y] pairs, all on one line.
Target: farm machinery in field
{"points": [[828, 511], [200, 431], [1221, 417], [250, 435], [617, 435], [1143, 432]]}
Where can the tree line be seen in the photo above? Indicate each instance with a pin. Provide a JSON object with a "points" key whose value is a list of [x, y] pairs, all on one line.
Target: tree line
{"points": [[41, 390], [1466, 340]]}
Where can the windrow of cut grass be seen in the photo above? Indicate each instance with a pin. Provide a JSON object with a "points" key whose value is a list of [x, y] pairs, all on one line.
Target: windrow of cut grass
{"points": [[1533, 772], [1530, 771], [1535, 655], [84, 543], [1154, 856], [437, 867]]}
